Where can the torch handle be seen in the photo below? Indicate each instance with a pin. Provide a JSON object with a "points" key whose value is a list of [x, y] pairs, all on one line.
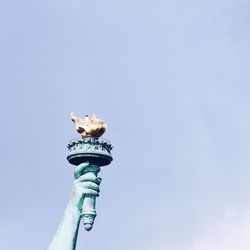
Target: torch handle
{"points": [[88, 212]]}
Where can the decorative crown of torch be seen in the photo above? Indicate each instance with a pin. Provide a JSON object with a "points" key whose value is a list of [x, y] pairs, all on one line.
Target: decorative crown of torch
{"points": [[93, 150]]}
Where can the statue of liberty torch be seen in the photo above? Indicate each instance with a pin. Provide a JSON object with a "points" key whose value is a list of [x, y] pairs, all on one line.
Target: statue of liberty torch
{"points": [[93, 150], [88, 153]]}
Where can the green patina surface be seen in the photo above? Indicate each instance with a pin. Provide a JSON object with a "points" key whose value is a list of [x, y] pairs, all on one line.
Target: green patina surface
{"points": [[97, 152]]}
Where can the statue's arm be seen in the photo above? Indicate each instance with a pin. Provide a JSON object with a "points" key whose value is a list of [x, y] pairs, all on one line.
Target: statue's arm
{"points": [[66, 235]]}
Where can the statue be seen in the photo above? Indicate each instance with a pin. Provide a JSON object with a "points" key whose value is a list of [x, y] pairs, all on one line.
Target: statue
{"points": [[88, 154]]}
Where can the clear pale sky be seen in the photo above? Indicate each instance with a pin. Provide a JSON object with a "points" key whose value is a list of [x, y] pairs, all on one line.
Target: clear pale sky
{"points": [[170, 78]]}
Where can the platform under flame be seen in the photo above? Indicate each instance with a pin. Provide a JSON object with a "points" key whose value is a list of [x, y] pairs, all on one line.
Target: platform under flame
{"points": [[94, 150]]}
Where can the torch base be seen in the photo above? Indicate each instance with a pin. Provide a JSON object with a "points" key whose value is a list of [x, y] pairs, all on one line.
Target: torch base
{"points": [[94, 150]]}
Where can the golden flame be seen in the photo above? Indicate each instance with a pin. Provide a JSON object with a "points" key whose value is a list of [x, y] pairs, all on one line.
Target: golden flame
{"points": [[89, 126]]}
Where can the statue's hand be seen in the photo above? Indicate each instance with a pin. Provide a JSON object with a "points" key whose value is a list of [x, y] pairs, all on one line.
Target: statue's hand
{"points": [[83, 185]]}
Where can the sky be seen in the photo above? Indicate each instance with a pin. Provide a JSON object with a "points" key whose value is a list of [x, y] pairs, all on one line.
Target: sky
{"points": [[171, 80]]}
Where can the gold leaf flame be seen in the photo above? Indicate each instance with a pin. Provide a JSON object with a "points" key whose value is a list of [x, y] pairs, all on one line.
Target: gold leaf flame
{"points": [[89, 126]]}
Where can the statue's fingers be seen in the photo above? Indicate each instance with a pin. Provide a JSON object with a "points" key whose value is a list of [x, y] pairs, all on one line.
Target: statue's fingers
{"points": [[90, 185], [90, 192], [79, 168], [84, 178]]}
